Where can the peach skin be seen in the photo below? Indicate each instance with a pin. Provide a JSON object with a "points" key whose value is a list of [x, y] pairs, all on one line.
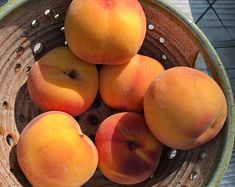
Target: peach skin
{"points": [[128, 152], [53, 152], [61, 81], [106, 31], [184, 108], [123, 86]]}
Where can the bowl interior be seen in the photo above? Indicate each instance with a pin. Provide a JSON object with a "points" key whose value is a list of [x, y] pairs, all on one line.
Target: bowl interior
{"points": [[29, 32]]}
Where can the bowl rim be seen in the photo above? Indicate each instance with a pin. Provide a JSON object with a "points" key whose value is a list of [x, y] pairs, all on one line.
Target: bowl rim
{"points": [[205, 44]]}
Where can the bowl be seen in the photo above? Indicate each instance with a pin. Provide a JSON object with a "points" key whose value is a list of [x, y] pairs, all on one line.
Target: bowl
{"points": [[29, 29]]}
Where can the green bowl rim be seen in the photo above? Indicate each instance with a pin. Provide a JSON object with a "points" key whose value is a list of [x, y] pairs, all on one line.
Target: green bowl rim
{"points": [[228, 146]]}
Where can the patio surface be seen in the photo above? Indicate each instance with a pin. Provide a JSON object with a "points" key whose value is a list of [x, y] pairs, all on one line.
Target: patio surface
{"points": [[216, 18]]}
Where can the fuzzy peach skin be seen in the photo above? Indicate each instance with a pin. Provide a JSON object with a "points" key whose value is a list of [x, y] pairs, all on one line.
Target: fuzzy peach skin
{"points": [[128, 152], [52, 151], [123, 86], [61, 81], [184, 108], [105, 31]]}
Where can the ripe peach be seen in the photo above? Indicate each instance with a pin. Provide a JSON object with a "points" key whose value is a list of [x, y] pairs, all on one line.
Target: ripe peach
{"points": [[184, 108], [105, 31], [123, 86], [128, 152], [53, 152], [61, 81]]}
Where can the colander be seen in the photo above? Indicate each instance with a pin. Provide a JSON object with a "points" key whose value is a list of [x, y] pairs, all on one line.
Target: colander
{"points": [[29, 29]]}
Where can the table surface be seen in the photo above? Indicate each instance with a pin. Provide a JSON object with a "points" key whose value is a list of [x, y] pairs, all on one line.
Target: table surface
{"points": [[216, 18]]}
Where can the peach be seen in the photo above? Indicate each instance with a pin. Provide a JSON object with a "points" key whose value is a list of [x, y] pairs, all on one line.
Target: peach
{"points": [[128, 152], [61, 81], [123, 86], [105, 31], [52, 151], [184, 108]]}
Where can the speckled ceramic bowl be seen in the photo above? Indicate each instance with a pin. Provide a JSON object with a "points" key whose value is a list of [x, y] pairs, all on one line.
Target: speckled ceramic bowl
{"points": [[31, 28]]}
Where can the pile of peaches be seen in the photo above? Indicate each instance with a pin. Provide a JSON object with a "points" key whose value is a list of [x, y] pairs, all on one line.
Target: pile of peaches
{"points": [[181, 107]]}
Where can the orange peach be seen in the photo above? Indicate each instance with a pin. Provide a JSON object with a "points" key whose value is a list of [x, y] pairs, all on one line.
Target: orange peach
{"points": [[53, 152], [128, 152], [123, 86], [61, 81], [105, 31], [184, 108]]}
